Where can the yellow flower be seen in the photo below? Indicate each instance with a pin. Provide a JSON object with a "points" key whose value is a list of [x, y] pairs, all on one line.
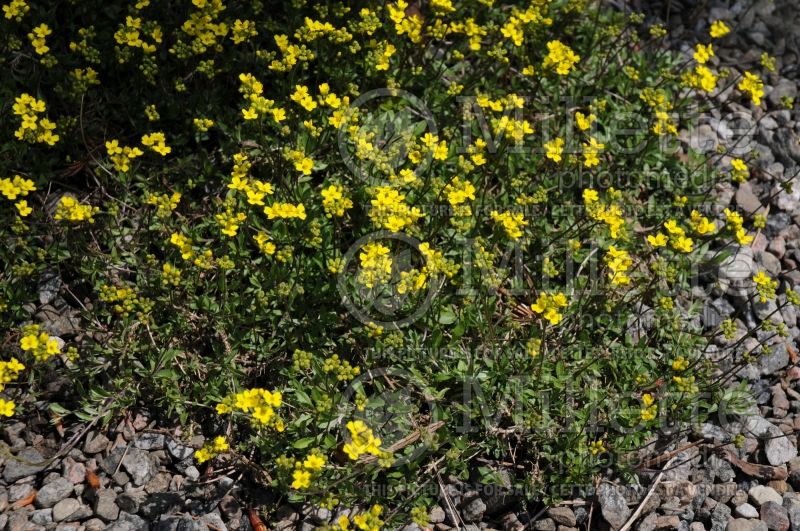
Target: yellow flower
{"points": [[718, 29], [752, 84], [657, 240], [554, 149], [220, 444], [590, 152], [23, 208], [561, 57], [301, 479], [703, 53], [7, 407], [584, 121]]}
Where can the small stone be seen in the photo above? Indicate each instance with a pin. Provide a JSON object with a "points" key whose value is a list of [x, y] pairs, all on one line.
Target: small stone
{"points": [[776, 360], [562, 516], [128, 522], [436, 515], [137, 463], [131, 500], [150, 441], [159, 483], [719, 517], [760, 495], [668, 522], [121, 478], [54, 492], [65, 508], [744, 524], [746, 510], [95, 443], [775, 516], [697, 526], [545, 524], [192, 473], [17, 492], [17, 469], [613, 506], [648, 523], [105, 505], [177, 450], [473, 510], [95, 524], [42, 516], [747, 200], [229, 507], [73, 471]]}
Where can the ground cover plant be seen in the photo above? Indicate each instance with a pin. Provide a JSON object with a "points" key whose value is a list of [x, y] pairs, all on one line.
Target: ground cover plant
{"points": [[367, 245]]}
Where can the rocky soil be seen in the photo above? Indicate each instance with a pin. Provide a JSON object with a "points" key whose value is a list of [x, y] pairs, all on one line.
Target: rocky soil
{"points": [[138, 475]]}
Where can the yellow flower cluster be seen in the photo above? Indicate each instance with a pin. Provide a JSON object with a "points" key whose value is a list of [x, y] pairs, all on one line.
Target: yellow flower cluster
{"points": [[342, 368], [389, 210], [701, 78], [618, 262], [203, 124], [285, 211], [259, 403], [591, 150], [609, 214], [561, 57], [33, 128], [459, 191], [765, 287], [677, 236], [71, 209], [38, 38], [334, 201], [121, 156], [183, 243], [735, 223], [38, 344], [125, 300], [376, 265], [157, 142], [258, 106], [243, 30], [511, 222], [549, 305], [230, 221], [405, 22], [701, 224], [650, 409], [384, 53], [657, 101], [740, 171], [165, 203], [304, 470], [211, 450], [170, 275], [680, 364], [264, 243], [203, 27], [369, 521], [17, 187], [362, 441], [752, 84], [130, 34], [9, 371], [15, 9]]}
